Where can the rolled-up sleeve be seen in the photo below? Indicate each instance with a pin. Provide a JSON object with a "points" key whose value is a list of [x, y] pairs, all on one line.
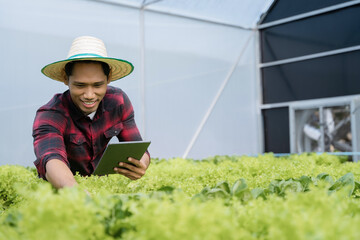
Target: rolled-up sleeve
{"points": [[48, 137]]}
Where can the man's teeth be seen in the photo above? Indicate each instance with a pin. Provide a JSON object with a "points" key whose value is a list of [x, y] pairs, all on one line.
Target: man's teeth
{"points": [[89, 103]]}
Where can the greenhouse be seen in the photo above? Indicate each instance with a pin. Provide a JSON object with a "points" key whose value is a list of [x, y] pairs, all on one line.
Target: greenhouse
{"points": [[251, 107]]}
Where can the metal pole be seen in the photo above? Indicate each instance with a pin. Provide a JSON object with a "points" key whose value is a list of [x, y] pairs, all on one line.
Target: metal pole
{"points": [[259, 94], [322, 124], [142, 68]]}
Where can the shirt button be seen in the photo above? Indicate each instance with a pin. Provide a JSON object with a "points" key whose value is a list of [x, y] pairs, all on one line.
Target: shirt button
{"points": [[116, 132]]}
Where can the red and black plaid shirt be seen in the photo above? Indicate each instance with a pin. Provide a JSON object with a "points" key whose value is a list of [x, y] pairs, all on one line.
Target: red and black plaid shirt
{"points": [[61, 131]]}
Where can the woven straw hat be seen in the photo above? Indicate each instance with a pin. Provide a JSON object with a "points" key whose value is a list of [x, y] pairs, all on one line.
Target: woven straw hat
{"points": [[88, 48]]}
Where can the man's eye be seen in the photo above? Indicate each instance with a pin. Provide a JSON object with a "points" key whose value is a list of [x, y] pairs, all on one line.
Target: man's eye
{"points": [[98, 84]]}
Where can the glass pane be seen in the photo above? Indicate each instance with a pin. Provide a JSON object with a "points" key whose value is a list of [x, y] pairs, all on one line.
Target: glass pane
{"points": [[331, 76], [321, 33], [276, 126], [288, 8]]}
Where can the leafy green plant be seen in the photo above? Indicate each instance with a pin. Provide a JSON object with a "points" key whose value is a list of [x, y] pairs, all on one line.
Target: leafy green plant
{"points": [[278, 187], [306, 196], [13, 178]]}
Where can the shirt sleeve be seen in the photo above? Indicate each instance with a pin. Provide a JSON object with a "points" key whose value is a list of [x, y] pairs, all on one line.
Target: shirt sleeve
{"points": [[130, 132], [48, 130]]}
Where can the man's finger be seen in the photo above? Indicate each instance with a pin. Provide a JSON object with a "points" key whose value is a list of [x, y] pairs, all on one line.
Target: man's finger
{"points": [[132, 176], [136, 162], [139, 170], [128, 173]]}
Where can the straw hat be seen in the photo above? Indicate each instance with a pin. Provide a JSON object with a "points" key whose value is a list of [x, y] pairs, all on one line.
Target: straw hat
{"points": [[88, 48]]}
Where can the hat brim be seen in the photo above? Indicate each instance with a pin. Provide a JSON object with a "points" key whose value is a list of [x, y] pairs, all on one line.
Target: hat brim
{"points": [[118, 68]]}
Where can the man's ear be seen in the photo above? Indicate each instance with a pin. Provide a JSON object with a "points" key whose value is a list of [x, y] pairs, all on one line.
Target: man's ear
{"points": [[66, 78], [109, 77], [66, 81]]}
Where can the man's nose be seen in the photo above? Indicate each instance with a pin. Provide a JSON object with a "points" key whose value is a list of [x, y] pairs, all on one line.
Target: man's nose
{"points": [[89, 93]]}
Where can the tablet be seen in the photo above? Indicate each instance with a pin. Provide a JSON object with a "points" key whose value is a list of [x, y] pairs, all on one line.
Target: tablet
{"points": [[119, 152]]}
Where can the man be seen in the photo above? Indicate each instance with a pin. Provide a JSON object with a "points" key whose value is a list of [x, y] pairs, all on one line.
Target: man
{"points": [[72, 130]]}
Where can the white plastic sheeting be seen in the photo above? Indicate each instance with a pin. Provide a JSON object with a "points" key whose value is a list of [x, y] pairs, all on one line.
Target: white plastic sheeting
{"points": [[186, 62], [35, 33], [244, 13]]}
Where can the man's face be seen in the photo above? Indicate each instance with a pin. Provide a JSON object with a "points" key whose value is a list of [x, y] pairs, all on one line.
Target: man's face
{"points": [[87, 86]]}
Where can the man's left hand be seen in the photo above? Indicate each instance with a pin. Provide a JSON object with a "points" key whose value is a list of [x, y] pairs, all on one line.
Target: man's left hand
{"points": [[135, 171]]}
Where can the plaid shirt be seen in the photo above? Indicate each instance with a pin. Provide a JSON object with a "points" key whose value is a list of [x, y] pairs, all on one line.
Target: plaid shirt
{"points": [[61, 131]]}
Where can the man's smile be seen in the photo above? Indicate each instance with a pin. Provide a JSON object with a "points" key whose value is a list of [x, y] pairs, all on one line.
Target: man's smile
{"points": [[89, 104]]}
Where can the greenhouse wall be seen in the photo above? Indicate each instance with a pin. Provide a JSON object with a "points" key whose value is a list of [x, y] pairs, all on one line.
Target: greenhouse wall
{"points": [[194, 88]]}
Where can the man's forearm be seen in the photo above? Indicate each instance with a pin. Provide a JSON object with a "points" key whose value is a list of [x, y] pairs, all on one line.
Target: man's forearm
{"points": [[58, 174]]}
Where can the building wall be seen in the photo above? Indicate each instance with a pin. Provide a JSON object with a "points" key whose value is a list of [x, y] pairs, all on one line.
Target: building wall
{"points": [[309, 52]]}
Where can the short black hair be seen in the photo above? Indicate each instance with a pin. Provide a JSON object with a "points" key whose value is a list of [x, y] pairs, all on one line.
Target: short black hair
{"points": [[70, 65]]}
